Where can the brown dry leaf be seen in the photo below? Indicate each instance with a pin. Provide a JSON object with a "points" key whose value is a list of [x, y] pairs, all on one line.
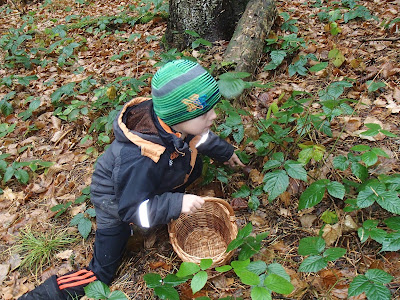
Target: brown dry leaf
{"points": [[156, 264], [6, 219], [340, 293], [330, 278], [239, 204], [331, 233], [4, 268], [220, 282], [285, 198], [280, 247], [348, 224], [307, 220], [257, 220], [64, 255], [256, 177], [352, 123]]}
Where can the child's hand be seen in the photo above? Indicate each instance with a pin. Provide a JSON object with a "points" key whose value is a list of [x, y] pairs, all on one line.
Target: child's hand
{"points": [[235, 161], [191, 203]]}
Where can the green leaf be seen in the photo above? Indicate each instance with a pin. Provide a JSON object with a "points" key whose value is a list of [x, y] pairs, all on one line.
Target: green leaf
{"points": [[359, 285], [332, 254], [187, 268], [360, 148], [378, 276], [278, 284], [276, 183], [313, 264], [152, 280], [278, 269], [312, 245], [67, 90], [295, 170], [336, 189], [329, 217], [85, 227], [8, 174], [393, 223], [240, 264], [260, 293], [97, 290], [91, 212], [370, 158], [247, 277], [391, 242], [378, 292], [231, 84], [277, 56], [117, 295], [166, 292], [318, 67], [370, 193], [337, 56], [75, 220], [374, 86], [22, 176], [380, 152], [222, 269], [359, 170], [174, 280], [390, 201], [313, 194], [205, 263], [198, 281], [257, 267], [271, 164], [341, 163]]}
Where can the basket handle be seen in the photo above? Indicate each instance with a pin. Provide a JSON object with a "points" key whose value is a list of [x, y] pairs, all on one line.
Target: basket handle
{"points": [[222, 202]]}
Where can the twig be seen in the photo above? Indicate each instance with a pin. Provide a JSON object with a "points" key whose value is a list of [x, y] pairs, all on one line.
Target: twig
{"points": [[16, 6], [393, 39]]}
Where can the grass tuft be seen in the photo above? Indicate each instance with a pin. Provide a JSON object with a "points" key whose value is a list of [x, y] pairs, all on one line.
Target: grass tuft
{"points": [[37, 249]]}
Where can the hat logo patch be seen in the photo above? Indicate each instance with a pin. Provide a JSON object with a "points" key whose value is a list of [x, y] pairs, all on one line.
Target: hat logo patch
{"points": [[195, 102]]}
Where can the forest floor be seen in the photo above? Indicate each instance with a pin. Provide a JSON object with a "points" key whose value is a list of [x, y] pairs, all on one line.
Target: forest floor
{"points": [[47, 133]]}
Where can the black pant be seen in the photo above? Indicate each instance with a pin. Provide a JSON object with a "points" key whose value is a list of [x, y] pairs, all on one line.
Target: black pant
{"points": [[109, 247]]}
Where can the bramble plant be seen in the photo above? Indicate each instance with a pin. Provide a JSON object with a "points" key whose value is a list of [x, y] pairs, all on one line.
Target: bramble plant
{"points": [[263, 279], [372, 284], [317, 259], [99, 290]]}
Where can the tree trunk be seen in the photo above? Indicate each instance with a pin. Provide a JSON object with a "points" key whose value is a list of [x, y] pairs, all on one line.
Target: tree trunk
{"points": [[246, 46], [213, 20]]}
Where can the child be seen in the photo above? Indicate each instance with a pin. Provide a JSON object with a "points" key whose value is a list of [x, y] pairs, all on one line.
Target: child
{"points": [[142, 176]]}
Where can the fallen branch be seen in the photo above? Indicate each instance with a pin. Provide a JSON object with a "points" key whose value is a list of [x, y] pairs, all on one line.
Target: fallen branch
{"points": [[394, 39], [247, 43]]}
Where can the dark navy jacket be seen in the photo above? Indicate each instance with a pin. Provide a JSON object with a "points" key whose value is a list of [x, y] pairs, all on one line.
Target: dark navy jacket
{"points": [[141, 177]]}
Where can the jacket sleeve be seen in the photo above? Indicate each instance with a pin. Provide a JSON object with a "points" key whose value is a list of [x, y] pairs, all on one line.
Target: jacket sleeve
{"points": [[215, 147], [137, 181]]}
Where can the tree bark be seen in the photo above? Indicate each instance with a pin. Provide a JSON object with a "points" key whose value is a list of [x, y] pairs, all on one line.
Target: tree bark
{"points": [[213, 20], [246, 46]]}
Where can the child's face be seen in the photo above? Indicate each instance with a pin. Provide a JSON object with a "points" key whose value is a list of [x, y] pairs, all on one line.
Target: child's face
{"points": [[196, 126]]}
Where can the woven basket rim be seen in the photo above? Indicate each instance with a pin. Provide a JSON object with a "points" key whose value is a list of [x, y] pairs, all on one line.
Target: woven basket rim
{"points": [[218, 259]]}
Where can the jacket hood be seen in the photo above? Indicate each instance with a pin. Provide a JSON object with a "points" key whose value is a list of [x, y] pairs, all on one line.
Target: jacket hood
{"points": [[138, 124]]}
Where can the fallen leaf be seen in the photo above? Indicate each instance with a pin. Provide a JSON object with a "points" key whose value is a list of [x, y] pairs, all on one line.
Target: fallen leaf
{"points": [[256, 177], [64, 255], [348, 224], [331, 233], [307, 220], [239, 204], [4, 268]]}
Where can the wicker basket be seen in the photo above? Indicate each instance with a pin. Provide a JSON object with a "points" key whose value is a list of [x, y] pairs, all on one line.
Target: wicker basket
{"points": [[205, 233]]}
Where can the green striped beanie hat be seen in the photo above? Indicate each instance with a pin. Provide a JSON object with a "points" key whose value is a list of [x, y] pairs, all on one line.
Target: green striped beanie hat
{"points": [[183, 90]]}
